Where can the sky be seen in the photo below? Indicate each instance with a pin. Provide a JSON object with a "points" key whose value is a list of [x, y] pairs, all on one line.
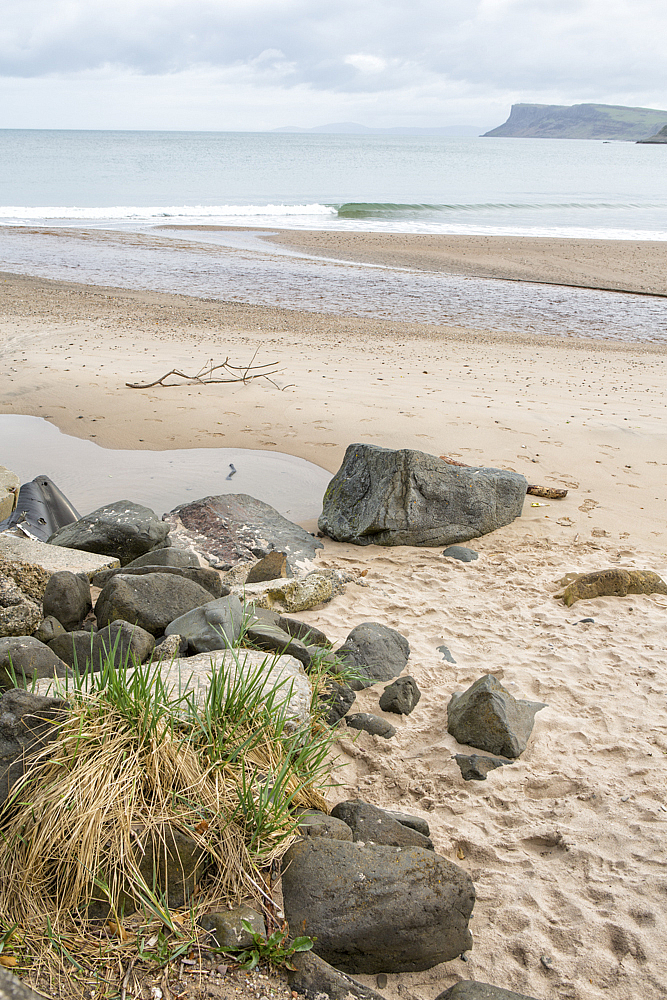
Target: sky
{"points": [[263, 64]]}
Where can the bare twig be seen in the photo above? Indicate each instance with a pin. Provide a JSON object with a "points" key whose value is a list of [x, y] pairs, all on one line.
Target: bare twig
{"points": [[207, 374]]}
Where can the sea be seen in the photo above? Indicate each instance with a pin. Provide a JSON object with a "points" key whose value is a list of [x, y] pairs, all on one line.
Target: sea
{"points": [[97, 207]]}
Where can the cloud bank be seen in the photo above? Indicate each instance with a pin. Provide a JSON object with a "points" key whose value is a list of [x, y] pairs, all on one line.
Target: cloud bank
{"points": [[265, 63]]}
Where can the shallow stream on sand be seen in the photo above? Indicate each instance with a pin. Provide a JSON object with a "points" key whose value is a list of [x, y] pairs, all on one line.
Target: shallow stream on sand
{"points": [[91, 476]]}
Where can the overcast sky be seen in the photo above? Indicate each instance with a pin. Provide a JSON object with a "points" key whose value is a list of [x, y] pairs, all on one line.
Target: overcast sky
{"points": [[255, 64]]}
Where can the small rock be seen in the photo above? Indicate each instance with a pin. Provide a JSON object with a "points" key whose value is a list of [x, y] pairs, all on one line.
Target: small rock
{"points": [[19, 614], [488, 717], [317, 824], [67, 598], [475, 768], [170, 647], [226, 930], [263, 631], [337, 700], [26, 658], [152, 601], [461, 553], [381, 980], [309, 634], [401, 697], [214, 625], [11, 988], [314, 978], [380, 653], [48, 630], [372, 724], [123, 529], [289, 595], [172, 557], [413, 822], [612, 583], [472, 990], [446, 655], [374, 826], [86, 650], [271, 567], [29, 577]]}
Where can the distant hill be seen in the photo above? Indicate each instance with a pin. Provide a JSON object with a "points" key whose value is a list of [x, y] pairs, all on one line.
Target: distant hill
{"points": [[659, 137], [581, 121], [352, 128]]}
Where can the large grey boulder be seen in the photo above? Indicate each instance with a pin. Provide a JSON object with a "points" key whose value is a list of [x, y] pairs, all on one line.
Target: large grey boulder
{"points": [[67, 598], [375, 908], [214, 625], [27, 723], [26, 658], [123, 529], [385, 497], [469, 990], [151, 601], [488, 717], [235, 527], [375, 826], [120, 641], [209, 579], [380, 653]]}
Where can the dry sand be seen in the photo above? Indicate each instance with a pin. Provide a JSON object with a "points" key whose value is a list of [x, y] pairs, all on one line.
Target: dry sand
{"points": [[566, 845]]}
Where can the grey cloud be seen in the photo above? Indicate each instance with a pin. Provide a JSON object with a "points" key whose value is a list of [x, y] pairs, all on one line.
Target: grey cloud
{"points": [[583, 47]]}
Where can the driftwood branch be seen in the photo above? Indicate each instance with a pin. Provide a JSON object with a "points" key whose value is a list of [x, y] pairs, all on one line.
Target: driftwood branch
{"points": [[212, 374], [550, 492]]}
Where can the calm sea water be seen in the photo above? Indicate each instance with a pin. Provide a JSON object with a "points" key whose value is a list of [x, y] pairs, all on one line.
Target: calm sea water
{"points": [[86, 206]]}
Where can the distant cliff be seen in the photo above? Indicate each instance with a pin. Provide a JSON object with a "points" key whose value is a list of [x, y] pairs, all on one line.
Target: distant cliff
{"points": [[581, 121], [660, 136]]}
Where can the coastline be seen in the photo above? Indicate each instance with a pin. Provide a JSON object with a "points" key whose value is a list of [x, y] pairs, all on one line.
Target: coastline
{"points": [[565, 846]]}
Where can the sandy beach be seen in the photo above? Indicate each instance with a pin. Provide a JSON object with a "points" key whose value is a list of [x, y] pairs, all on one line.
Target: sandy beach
{"points": [[565, 846]]}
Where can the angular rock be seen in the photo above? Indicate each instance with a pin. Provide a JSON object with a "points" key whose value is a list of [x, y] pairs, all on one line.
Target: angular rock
{"points": [[461, 553], [374, 826], [376, 908], [172, 557], [28, 658], [123, 529], [209, 579], [488, 717], [11, 988], [407, 819], [30, 579], [19, 614], [226, 930], [289, 595], [272, 567], [236, 527], [151, 601], [380, 653], [263, 631], [336, 700], [214, 625], [314, 978], [170, 647], [28, 722], [309, 634], [87, 650], [48, 630], [317, 824], [10, 484], [373, 724], [612, 583], [469, 990], [38, 560], [475, 768], [401, 697], [67, 598], [385, 497]]}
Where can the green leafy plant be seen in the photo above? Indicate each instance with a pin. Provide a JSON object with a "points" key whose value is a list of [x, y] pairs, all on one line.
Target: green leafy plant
{"points": [[276, 949]]}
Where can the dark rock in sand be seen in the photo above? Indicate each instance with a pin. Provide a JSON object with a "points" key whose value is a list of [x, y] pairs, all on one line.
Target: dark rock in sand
{"points": [[336, 700], [317, 824], [314, 979], [309, 634], [67, 598], [264, 632], [29, 659], [375, 908], [469, 990], [380, 653], [375, 826], [373, 724], [48, 629], [475, 768], [271, 567], [461, 553], [236, 528], [209, 579], [226, 930], [87, 650], [27, 723], [488, 717], [151, 601], [401, 697], [123, 529], [385, 497], [407, 819], [214, 625]]}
